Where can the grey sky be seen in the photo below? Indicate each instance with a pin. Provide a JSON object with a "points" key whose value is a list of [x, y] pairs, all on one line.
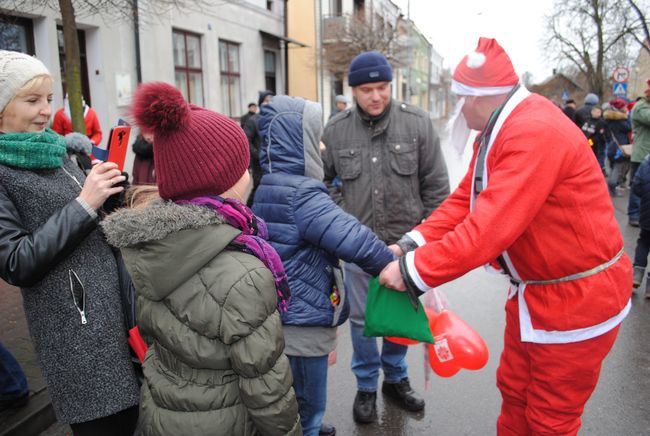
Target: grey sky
{"points": [[454, 26]]}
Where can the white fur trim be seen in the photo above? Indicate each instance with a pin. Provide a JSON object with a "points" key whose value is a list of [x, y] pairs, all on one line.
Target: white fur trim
{"points": [[417, 237], [413, 272], [530, 334], [475, 60], [460, 89]]}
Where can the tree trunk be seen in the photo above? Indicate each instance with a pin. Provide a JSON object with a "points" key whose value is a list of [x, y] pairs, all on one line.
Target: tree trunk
{"points": [[72, 66]]}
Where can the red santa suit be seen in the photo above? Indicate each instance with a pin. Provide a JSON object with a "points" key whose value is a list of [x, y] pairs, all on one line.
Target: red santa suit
{"points": [[544, 210], [62, 124]]}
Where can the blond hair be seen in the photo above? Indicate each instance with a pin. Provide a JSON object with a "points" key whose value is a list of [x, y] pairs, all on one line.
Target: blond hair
{"points": [[29, 87], [138, 197], [34, 83]]}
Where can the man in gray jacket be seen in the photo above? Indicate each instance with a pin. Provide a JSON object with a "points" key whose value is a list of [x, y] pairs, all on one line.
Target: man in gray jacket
{"points": [[393, 175]]}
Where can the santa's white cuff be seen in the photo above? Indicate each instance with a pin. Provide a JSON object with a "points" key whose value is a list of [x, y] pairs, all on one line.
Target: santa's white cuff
{"points": [[417, 237], [413, 272]]}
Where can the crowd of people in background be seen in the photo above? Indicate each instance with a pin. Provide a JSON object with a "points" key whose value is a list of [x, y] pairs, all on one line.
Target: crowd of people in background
{"points": [[279, 224], [619, 133]]}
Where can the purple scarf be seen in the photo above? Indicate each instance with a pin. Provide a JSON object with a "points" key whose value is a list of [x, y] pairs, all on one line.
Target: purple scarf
{"points": [[252, 239]]}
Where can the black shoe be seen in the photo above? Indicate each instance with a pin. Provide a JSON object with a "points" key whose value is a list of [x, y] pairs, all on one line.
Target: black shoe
{"points": [[634, 222], [403, 395], [365, 407], [327, 430]]}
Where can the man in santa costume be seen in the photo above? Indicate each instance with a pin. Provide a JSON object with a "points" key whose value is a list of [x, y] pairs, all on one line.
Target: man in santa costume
{"points": [[62, 122], [533, 203]]}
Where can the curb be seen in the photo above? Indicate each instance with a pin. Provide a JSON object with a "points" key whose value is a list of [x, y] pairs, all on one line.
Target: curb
{"points": [[32, 419]]}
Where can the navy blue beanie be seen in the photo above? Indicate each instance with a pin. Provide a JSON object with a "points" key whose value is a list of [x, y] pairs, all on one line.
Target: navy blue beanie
{"points": [[369, 66]]}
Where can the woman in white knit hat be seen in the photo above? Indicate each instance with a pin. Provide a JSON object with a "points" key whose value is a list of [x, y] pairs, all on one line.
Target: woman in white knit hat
{"points": [[51, 248]]}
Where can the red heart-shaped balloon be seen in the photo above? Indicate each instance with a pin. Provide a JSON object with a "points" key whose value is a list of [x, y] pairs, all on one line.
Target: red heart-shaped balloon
{"points": [[457, 345]]}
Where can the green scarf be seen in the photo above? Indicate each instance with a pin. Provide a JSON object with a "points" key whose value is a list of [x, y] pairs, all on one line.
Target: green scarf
{"points": [[32, 150]]}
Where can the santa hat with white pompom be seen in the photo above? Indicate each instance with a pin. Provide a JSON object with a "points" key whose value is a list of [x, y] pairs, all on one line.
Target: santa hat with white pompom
{"points": [[486, 71]]}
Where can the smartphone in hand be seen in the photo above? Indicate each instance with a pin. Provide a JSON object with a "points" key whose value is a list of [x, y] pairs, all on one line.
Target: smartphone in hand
{"points": [[118, 143]]}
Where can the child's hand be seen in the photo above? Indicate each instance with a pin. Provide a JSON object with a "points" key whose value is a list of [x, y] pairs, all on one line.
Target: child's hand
{"points": [[391, 277], [396, 250]]}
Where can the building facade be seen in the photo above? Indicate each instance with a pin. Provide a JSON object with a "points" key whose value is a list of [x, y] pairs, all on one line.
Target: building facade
{"points": [[219, 57], [334, 30]]}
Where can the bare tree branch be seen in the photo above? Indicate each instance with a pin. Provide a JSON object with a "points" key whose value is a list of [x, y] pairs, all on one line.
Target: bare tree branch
{"points": [[642, 25], [590, 35], [346, 36]]}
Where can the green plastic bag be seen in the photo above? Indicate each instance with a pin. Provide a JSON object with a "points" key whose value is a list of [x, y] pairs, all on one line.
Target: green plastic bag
{"points": [[390, 313]]}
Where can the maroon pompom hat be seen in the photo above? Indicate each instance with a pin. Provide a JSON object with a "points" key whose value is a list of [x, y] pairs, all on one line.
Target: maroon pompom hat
{"points": [[197, 151]]}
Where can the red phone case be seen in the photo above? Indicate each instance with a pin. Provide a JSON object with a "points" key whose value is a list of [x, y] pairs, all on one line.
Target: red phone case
{"points": [[118, 144]]}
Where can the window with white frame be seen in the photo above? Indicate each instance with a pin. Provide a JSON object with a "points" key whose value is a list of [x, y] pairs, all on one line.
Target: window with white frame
{"points": [[188, 70], [230, 78]]}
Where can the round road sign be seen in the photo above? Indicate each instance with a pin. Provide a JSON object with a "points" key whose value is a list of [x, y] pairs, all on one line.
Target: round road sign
{"points": [[620, 74]]}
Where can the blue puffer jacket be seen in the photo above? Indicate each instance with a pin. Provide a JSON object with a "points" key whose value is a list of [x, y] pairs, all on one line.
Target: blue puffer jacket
{"points": [[641, 187], [308, 230]]}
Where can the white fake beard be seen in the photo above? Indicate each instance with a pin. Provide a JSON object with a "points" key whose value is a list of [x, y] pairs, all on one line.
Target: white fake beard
{"points": [[457, 129]]}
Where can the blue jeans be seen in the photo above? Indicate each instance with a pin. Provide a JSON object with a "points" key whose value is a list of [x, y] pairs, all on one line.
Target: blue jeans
{"points": [[366, 359], [13, 384], [310, 384]]}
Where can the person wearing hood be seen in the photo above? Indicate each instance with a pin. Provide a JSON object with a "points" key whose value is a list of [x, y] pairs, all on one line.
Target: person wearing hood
{"points": [[144, 169], [253, 135], [215, 363], [62, 122], [306, 227], [583, 114], [618, 131], [533, 204]]}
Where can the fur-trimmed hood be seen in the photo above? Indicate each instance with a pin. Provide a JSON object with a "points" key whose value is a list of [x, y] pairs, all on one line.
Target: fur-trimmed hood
{"points": [[128, 227], [165, 244], [614, 115]]}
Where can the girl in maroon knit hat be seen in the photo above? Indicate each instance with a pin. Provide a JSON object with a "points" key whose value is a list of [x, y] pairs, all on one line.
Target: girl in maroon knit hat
{"points": [[209, 287]]}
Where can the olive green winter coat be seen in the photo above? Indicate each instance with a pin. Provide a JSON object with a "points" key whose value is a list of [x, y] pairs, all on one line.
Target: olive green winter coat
{"points": [[215, 365]]}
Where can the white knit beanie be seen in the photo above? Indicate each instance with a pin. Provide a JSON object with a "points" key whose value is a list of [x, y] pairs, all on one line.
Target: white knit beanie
{"points": [[16, 69]]}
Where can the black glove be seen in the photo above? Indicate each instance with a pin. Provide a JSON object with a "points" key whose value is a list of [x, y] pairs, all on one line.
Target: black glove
{"points": [[116, 201], [411, 288], [406, 244]]}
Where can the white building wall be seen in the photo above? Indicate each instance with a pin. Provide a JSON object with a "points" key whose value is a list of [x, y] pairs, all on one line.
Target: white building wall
{"points": [[110, 46]]}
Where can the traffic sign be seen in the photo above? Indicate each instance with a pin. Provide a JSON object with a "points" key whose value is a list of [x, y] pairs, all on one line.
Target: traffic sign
{"points": [[620, 74], [620, 89]]}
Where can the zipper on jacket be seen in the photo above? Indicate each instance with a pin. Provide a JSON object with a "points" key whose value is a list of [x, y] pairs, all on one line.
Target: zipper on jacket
{"points": [[82, 309]]}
